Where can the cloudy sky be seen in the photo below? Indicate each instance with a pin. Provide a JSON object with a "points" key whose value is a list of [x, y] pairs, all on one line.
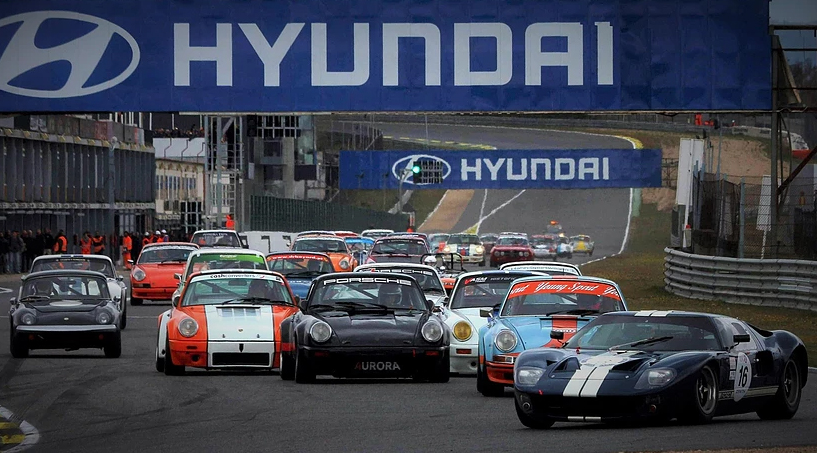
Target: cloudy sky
{"points": [[795, 12]]}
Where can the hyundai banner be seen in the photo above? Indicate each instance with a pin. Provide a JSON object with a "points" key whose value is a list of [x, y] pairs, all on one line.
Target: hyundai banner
{"points": [[384, 55], [501, 169]]}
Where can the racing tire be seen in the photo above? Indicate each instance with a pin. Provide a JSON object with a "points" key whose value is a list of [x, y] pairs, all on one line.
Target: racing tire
{"points": [[135, 301], [786, 401], [703, 399], [590, 253], [570, 256], [287, 366], [529, 421], [17, 347], [303, 372], [113, 348], [160, 361], [486, 387], [123, 319], [171, 369], [440, 373]]}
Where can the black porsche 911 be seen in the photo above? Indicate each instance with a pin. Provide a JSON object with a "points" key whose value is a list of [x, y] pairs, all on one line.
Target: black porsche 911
{"points": [[662, 365], [365, 324]]}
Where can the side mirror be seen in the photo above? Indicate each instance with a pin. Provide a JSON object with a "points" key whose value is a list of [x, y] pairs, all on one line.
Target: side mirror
{"points": [[131, 262], [298, 300], [557, 335], [177, 276], [13, 301], [436, 309], [120, 278], [741, 338], [485, 312]]}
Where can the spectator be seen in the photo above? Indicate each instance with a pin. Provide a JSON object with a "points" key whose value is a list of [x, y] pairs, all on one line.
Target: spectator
{"points": [[48, 242], [4, 251], [28, 249], [16, 247]]}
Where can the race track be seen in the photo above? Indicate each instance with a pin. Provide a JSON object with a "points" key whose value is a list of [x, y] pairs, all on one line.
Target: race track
{"points": [[81, 402], [600, 213]]}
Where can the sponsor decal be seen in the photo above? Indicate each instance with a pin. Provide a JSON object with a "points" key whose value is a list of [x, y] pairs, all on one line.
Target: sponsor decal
{"points": [[377, 366], [248, 275], [547, 268], [345, 280], [172, 247], [399, 271], [490, 279], [295, 256], [564, 287]]}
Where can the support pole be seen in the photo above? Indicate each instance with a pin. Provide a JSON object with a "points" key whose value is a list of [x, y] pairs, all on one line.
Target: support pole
{"points": [[741, 237], [774, 151], [219, 185], [111, 198]]}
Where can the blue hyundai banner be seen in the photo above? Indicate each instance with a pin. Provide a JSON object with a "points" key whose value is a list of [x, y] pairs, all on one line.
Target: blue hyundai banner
{"points": [[501, 169], [384, 55]]}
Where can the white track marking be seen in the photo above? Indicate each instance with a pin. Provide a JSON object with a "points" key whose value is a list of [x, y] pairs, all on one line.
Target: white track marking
{"points": [[31, 433], [5, 290], [495, 210], [433, 211]]}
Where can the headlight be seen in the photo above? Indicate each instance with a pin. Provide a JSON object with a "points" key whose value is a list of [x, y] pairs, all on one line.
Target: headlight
{"points": [[432, 331], [104, 317], [658, 377], [138, 274], [320, 332], [528, 375], [344, 264], [28, 318], [462, 330], [188, 327], [479, 249], [446, 249], [505, 341]]}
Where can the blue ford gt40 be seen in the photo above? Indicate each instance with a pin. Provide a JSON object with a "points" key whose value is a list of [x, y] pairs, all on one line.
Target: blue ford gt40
{"points": [[661, 365]]}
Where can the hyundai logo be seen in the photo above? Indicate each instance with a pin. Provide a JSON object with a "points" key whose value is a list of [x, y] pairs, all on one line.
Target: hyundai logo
{"points": [[402, 168], [84, 53]]}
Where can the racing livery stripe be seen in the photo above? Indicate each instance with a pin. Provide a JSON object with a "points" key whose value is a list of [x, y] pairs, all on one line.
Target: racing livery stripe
{"points": [[594, 381], [576, 383], [566, 325], [587, 380]]}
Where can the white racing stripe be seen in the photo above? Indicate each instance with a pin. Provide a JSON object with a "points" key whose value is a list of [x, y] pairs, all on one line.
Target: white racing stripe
{"points": [[587, 380], [593, 384], [576, 383]]}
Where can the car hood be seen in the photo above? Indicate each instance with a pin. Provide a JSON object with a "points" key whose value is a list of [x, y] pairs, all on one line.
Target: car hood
{"points": [[534, 331], [239, 322], [161, 274], [67, 305], [395, 258], [469, 314], [300, 286], [376, 329]]}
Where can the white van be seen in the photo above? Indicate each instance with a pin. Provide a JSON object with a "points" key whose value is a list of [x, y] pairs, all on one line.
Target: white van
{"points": [[268, 242]]}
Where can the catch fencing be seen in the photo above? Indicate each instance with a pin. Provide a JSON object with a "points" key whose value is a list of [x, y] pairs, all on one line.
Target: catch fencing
{"points": [[731, 219], [285, 214], [776, 283]]}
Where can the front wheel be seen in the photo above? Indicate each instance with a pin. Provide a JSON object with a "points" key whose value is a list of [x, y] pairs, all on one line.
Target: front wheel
{"points": [[123, 319], [530, 421], [287, 366], [303, 372], [486, 387], [135, 301], [786, 401], [704, 399], [17, 347]]}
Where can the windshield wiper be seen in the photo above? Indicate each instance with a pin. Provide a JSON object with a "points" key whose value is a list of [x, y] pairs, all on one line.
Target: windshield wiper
{"points": [[327, 307], [173, 260], [362, 305], [643, 342], [35, 297], [304, 273], [248, 300], [433, 290], [573, 311]]}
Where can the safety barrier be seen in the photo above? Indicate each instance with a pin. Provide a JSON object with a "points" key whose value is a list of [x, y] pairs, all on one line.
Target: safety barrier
{"points": [[284, 214], [775, 283]]}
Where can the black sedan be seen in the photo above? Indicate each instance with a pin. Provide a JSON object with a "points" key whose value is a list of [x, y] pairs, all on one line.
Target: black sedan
{"points": [[365, 324], [661, 365], [65, 309]]}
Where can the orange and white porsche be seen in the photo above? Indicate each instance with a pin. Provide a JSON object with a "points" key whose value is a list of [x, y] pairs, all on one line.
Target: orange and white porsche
{"points": [[152, 275], [332, 245], [225, 319]]}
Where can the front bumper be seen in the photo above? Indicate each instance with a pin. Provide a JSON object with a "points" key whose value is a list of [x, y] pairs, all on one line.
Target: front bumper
{"points": [[66, 337], [154, 292], [502, 259], [464, 359], [224, 354], [373, 362], [500, 373], [596, 409]]}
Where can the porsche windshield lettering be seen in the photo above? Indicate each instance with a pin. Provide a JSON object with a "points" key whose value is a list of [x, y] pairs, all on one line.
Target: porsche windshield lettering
{"points": [[342, 281]]}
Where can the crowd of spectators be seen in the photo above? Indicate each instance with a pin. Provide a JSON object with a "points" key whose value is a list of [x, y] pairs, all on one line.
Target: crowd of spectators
{"points": [[19, 248], [176, 133]]}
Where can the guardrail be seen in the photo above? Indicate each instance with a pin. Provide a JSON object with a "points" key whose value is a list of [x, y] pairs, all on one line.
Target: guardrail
{"points": [[775, 283]]}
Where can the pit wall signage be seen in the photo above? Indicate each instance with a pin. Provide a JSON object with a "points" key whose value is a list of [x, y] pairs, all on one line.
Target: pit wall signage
{"points": [[502, 169], [396, 55]]}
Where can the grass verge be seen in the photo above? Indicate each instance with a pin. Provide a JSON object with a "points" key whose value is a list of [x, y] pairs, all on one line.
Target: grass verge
{"points": [[640, 273]]}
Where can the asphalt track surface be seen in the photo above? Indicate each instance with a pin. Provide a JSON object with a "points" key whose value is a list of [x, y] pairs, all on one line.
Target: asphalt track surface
{"points": [[81, 402], [600, 213]]}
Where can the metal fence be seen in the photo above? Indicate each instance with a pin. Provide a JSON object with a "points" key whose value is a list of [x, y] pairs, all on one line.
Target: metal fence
{"points": [[776, 283], [284, 214], [731, 219]]}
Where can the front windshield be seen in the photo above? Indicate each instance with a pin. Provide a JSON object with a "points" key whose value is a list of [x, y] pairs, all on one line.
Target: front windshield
{"points": [[236, 288], [210, 261], [436, 239], [554, 229], [404, 246], [428, 279], [65, 287], [171, 254], [483, 291], [361, 293], [509, 240], [541, 242], [551, 297], [74, 264], [376, 234], [358, 245], [216, 239], [665, 333], [320, 245], [580, 238], [464, 239], [300, 265]]}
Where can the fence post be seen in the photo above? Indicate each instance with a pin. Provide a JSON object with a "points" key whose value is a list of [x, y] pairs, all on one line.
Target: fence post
{"points": [[742, 238]]}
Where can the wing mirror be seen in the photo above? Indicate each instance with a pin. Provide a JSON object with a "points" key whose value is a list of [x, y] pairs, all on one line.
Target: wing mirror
{"points": [[741, 338], [557, 335], [120, 278], [485, 312], [436, 309], [13, 301], [177, 276], [298, 300], [131, 262]]}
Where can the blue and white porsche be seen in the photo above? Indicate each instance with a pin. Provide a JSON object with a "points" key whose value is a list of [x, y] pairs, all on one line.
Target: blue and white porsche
{"points": [[474, 291], [533, 308], [300, 268]]}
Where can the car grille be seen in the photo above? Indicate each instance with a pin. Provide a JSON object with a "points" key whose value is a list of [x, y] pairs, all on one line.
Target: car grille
{"points": [[241, 359], [589, 407]]}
